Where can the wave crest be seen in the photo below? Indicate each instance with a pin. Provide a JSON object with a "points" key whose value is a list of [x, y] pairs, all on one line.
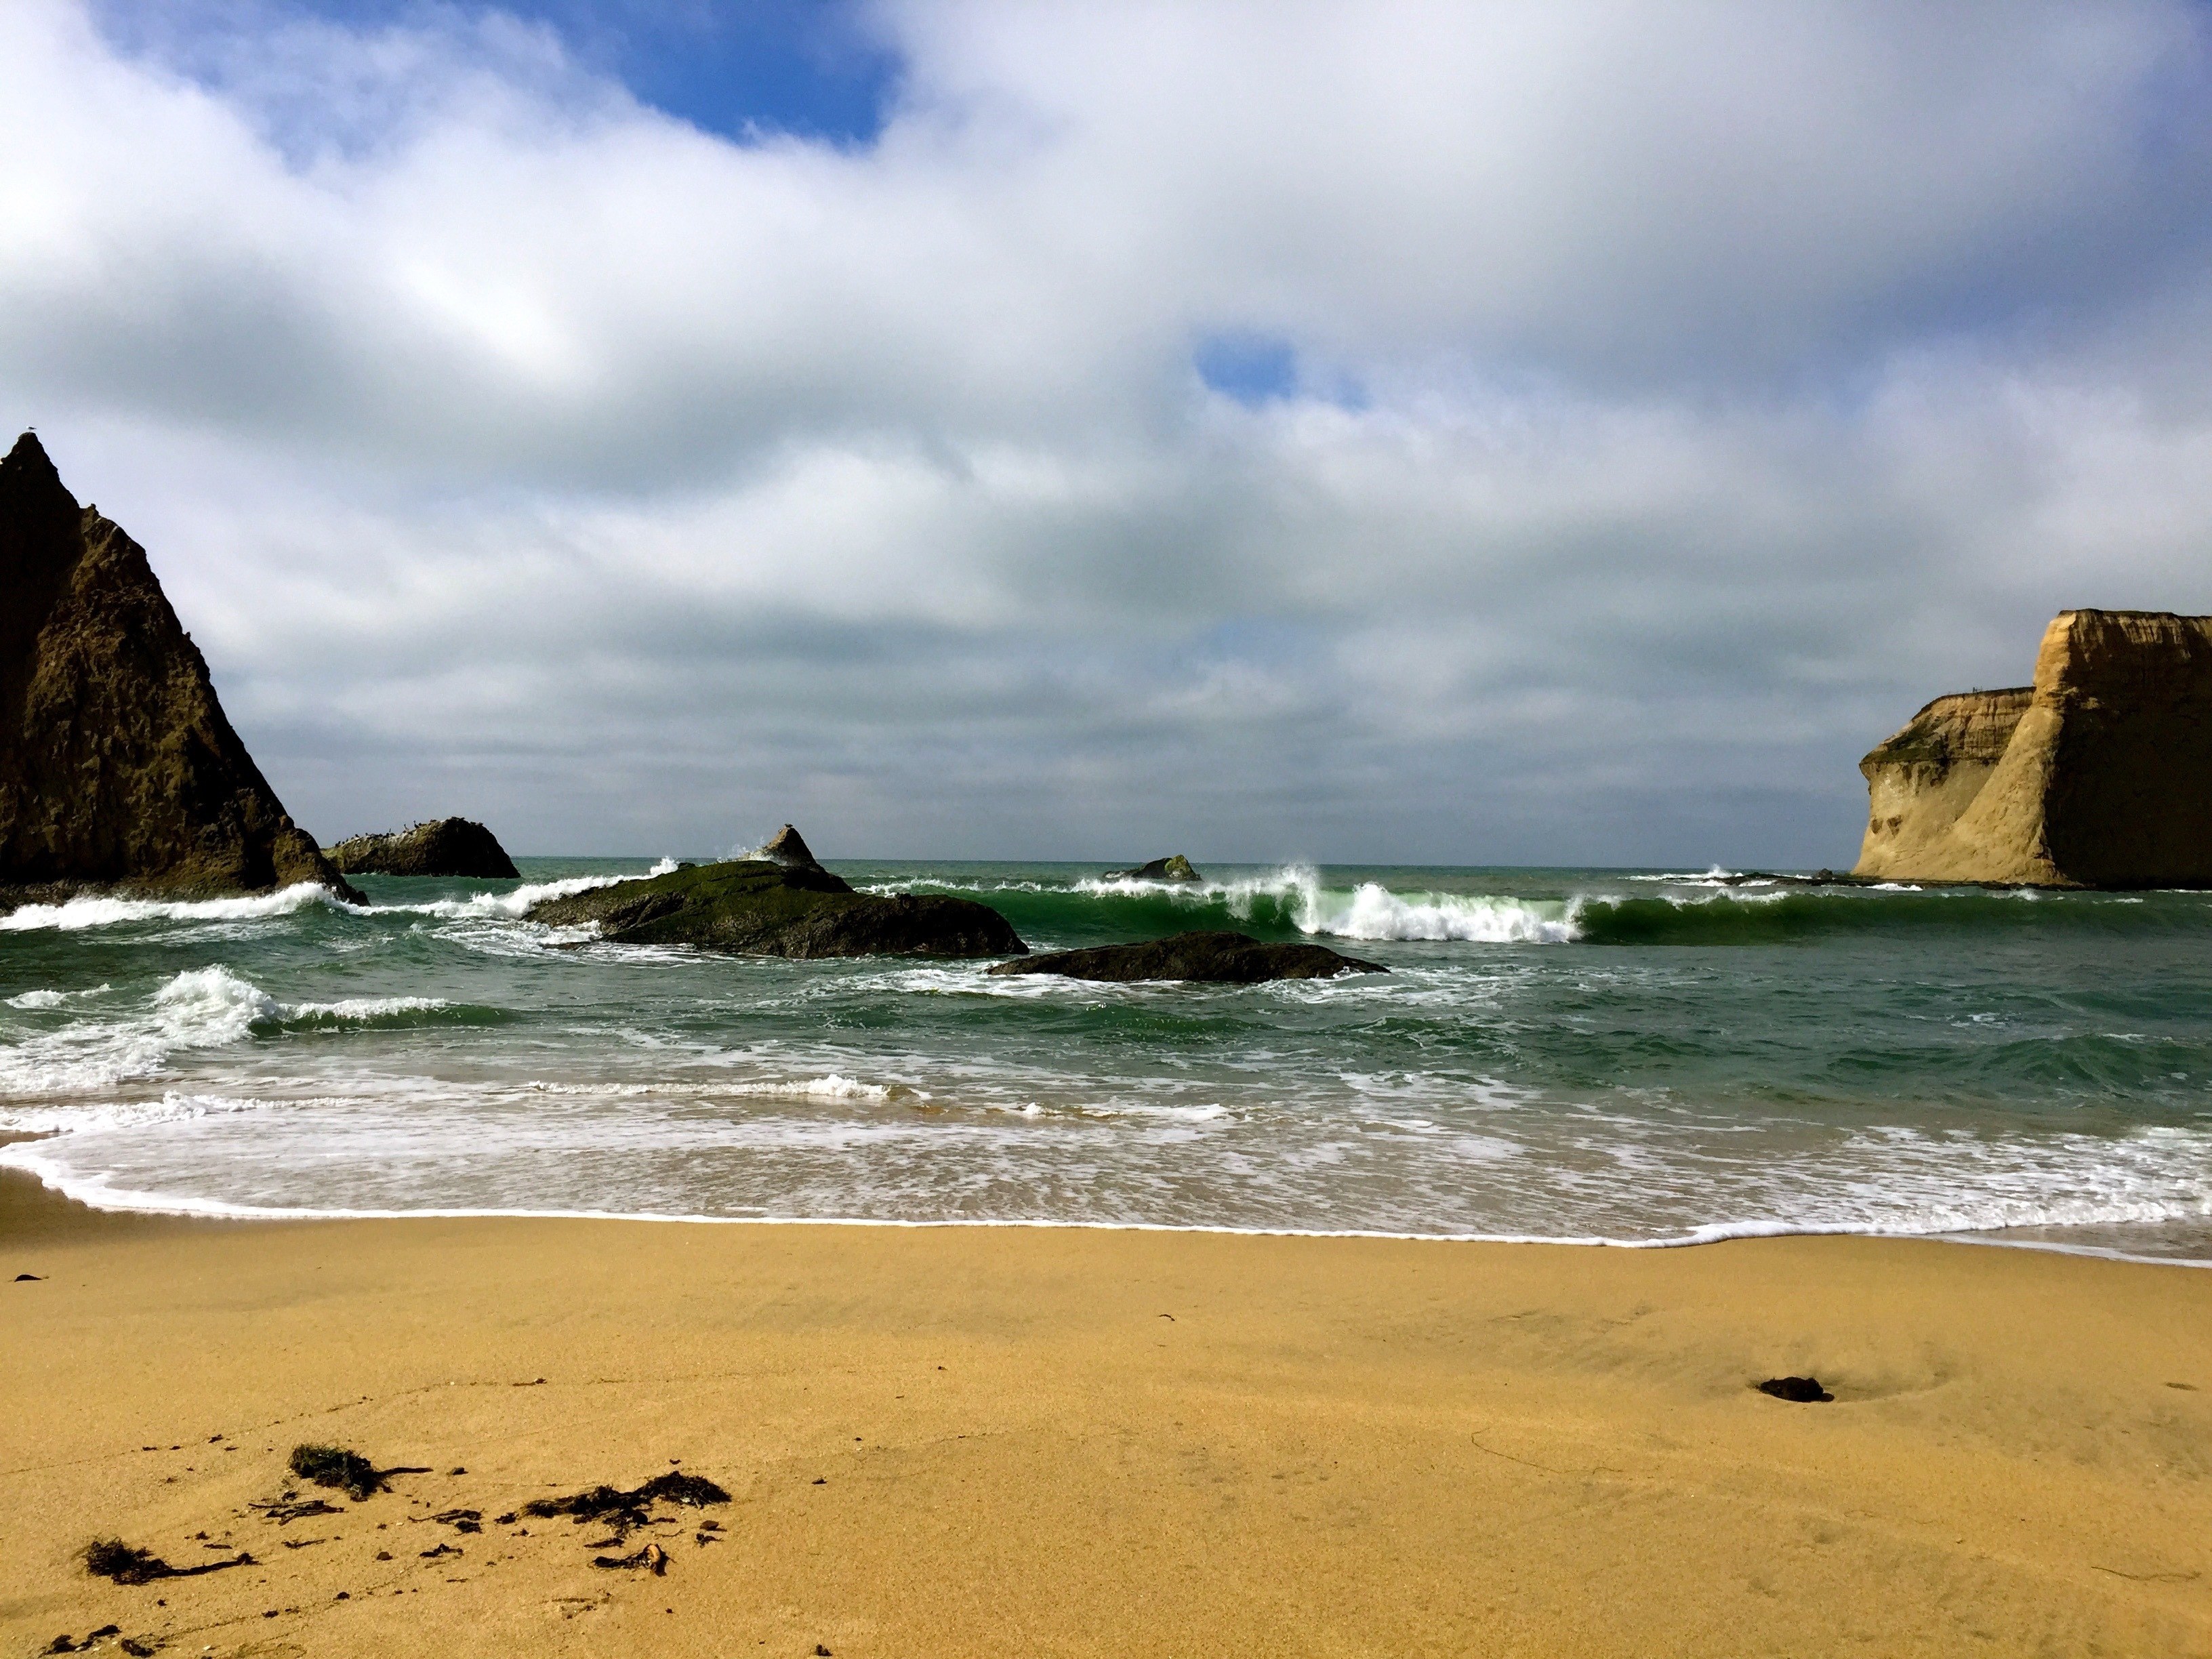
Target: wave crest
{"points": [[1296, 898], [73, 914], [206, 1007]]}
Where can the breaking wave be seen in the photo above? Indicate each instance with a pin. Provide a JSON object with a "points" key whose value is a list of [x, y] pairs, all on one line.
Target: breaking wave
{"points": [[1783, 914], [54, 999], [511, 906], [76, 914], [1288, 903], [202, 1008], [1713, 909]]}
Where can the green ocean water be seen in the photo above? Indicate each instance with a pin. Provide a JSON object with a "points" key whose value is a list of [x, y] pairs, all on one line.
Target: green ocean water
{"points": [[1633, 1056]]}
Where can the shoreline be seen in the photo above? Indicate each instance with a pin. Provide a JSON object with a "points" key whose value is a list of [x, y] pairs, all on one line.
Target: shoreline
{"points": [[959, 1440], [155, 1208]]}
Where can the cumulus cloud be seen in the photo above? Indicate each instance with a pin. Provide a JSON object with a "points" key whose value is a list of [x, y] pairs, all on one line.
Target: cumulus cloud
{"points": [[1653, 406]]}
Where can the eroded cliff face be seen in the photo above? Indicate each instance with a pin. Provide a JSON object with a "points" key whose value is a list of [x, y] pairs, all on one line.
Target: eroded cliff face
{"points": [[117, 765], [2099, 774]]}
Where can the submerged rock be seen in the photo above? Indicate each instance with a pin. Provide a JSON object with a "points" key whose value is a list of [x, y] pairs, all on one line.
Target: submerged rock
{"points": [[1176, 868], [2099, 774], [1220, 958], [762, 907], [117, 769], [442, 846]]}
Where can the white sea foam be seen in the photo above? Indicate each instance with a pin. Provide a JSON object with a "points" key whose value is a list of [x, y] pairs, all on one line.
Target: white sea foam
{"points": [[1367, 911], [512, 905], [200, 1008], [81, 913], [54, 999], [92, 1118], [1374, 912], [832, 1086]]}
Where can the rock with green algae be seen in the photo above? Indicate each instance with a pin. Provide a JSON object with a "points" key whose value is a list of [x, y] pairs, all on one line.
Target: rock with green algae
{"points": [[788, 906], [1175, 867]]}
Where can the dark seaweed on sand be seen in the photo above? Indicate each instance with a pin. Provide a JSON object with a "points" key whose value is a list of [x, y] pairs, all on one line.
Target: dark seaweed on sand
{"points": [[1798, 1390], [652, 1557], [111, 1558], [334, 1466], [624, 1509]]}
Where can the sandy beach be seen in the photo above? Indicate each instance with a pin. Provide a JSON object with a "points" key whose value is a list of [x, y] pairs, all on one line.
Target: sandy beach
{"points": [[1022, 1441]]}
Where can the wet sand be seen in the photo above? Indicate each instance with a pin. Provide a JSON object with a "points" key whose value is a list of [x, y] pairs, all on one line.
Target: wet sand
{"points": [[1018, 1441]]}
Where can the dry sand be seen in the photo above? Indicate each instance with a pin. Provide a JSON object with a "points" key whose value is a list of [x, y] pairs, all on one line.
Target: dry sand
{"points": [[1016, 1442]]}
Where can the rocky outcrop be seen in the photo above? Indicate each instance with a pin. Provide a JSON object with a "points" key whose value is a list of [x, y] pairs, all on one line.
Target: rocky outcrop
{"points": [[117, 769], [1173, 868], [788, 846], [2099, 774], [760, 907], [1220, 958], [443, 847]]}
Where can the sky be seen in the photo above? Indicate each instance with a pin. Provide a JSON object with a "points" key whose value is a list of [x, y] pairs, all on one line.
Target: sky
{"points": [[1548, 433]]}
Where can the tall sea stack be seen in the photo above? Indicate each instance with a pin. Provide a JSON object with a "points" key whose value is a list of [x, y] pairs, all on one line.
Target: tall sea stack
{"points": [[117, 769], [2099, 774]]}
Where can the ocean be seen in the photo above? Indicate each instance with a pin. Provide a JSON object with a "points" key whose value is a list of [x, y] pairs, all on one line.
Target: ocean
{"points": [[1636, 1057]]}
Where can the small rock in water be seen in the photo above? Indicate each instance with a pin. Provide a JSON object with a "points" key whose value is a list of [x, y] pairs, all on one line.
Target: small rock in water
{"points": [[1176, 868], [446, 846], [1798, 1390], [1220, 958]]}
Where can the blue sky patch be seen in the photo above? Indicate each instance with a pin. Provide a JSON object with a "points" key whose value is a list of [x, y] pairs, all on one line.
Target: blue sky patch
{"points": [[1253, 368], [813, 68]]}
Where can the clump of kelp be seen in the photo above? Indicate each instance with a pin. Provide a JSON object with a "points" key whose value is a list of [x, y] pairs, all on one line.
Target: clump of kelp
{"points": [[349, 1471], [623, 1509], [111, 1558]]}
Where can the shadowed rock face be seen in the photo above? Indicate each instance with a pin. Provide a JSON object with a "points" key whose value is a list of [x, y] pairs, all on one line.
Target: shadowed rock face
{"points": [[1220, 958], [117, 768], [761, 907], [447, 847], [2099, 774]]}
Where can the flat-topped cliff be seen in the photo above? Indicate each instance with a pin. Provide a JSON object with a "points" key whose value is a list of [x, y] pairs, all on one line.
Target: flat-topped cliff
{"points": [[2099, 774], [117, 768]]}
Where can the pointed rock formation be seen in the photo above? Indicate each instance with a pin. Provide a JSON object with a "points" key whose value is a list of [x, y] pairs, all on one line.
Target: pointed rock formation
{"points": [[444, 846], [2099, 774], [117, 766], [787, 847]]}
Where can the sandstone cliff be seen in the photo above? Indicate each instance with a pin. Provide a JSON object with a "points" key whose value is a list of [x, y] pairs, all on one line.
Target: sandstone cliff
{"points": [[443, 847], [117, 766], [2099, 774]]}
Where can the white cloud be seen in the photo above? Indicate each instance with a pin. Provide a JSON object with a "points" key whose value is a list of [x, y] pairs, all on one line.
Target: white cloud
{"points": [[1686, 393]]}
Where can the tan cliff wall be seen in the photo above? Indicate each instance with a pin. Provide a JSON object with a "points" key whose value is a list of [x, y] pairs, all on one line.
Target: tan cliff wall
{"points": [[1923, 780], [2099, 775]]}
